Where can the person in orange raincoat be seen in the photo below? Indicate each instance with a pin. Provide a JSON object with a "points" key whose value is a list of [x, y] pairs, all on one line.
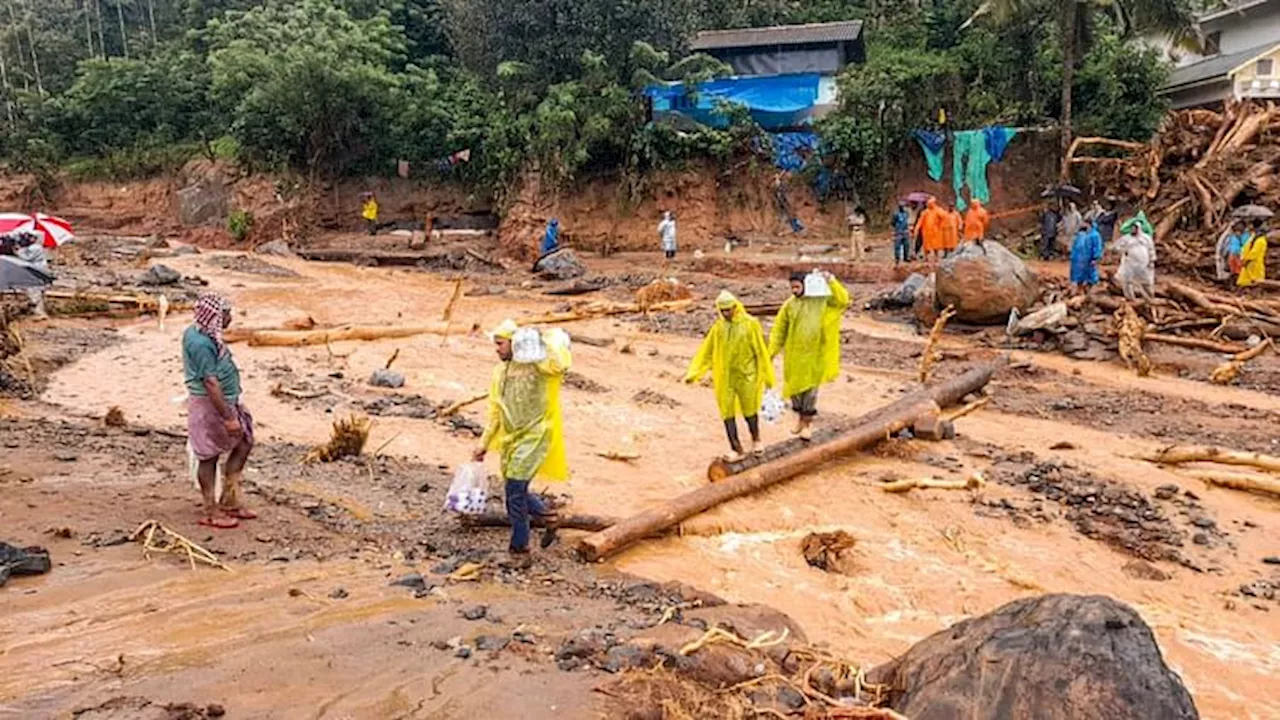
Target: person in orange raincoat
{"points": [[976, 222], [951, 222], [930, 227]]}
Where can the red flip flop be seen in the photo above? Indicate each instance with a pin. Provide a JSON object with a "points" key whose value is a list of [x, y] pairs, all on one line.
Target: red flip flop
{"points": [[242, 513], [220, 523]]}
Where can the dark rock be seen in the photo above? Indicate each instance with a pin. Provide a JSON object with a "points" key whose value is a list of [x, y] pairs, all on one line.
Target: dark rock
{"points": [[412, 580], [1166, 492], [474, 613], [386, 378], [22, 561], [277, 248], [1200, 539], [905, 294], [1204, 522], [463, 652], [1143, 570], [160, 275], [338, 594], [1054, 657], [204, 202], [65, 456], [560, 265], [492, 643], [214, 710], [1272, 560], [626, 657]]}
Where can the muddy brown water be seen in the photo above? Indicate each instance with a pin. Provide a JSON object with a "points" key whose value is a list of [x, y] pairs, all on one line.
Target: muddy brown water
{"points": [[924, 560]]}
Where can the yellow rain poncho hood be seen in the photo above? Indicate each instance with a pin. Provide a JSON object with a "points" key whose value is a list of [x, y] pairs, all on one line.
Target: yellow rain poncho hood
{"points": [[807, 333], [735, 353], [525, 423]]}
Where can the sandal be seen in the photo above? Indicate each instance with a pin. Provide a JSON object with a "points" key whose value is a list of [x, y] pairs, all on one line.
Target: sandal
{"points": [[241, 513], [222, 523]]}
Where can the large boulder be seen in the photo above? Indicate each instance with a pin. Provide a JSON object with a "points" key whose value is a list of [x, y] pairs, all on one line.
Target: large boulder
{"points": [[985, 282], [560, 265], [1054, 657], [204, 202]]}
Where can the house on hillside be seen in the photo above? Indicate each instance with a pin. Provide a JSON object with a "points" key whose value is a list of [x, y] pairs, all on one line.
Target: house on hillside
{"points": [[785, 75], [1238, 61]]}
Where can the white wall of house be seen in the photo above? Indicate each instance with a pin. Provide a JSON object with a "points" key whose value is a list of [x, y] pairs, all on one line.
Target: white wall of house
{"points": [[1240, 30]]}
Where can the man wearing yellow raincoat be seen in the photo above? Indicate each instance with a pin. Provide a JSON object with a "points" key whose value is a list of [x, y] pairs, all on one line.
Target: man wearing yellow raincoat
{"points": [[735, 353], [1254, 258], [807, 333], [525, 424]]}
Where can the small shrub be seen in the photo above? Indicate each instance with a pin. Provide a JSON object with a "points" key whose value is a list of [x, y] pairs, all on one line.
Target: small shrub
{"points": [[239, 223]]}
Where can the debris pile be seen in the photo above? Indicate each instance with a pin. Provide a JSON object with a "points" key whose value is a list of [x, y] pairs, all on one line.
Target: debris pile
{"points": [[1189, 177], [348, 439]]}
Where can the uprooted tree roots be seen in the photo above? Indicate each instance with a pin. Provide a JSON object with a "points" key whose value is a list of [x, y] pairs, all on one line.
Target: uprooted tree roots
{"points": [[1200, 165], [348, 440]]}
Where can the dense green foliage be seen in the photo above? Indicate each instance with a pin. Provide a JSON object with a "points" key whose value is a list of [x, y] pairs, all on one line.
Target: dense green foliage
{"points": [[128, 87]]}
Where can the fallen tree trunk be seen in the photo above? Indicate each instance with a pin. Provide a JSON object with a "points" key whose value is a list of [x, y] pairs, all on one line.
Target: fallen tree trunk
{"points": [[974, 482], [868, 430], [307, 338], [597, 310], [1240, 481], [1197, 343], [1179, 454], [592, 523]]}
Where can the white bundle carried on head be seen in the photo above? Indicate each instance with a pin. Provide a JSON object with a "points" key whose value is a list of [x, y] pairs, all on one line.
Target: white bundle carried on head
{"points": [[527, 346], [815, 285]]}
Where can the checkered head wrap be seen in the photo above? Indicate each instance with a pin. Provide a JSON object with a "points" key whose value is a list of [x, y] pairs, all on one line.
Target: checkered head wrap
{"points": [[209, 311]]}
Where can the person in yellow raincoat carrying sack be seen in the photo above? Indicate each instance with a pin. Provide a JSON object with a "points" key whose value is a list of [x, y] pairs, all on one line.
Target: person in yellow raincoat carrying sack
{"points": [[807, 333], [735, 353], [525, 424]]}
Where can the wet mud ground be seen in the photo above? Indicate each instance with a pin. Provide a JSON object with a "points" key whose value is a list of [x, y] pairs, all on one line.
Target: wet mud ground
{"points": [[1068, 506]]}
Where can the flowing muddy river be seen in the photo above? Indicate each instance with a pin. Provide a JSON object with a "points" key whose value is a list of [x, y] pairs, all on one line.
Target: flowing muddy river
{"points": [[923, 560]]}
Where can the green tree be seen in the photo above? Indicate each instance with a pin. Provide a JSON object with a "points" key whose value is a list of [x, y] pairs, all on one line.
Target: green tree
{"points": [[1075, 22], [305, 84]]}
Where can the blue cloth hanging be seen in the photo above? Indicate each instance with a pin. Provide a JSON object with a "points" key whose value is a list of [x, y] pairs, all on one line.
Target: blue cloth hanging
{"points": [[998, 137], [932, 143]]}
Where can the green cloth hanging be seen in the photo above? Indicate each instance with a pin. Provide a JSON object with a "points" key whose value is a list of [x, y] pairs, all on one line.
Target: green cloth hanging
{"points": [[969, 160], [932, 144]]}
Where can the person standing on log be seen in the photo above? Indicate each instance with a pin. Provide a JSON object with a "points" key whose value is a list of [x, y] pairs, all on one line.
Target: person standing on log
{"points": [[1253, 257], [734, 351], [807, 333], [218, 423], [525, 425]]}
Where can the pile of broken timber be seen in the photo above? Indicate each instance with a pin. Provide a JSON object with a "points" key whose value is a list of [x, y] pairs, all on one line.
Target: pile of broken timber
{"points": [[861, 433], [1185, 316], [1190, 456], [1198, 167]]}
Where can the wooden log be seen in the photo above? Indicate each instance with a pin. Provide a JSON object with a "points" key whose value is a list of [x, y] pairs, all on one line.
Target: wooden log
{"points": [[974, 482], [869, 430], [454, 408], [368, 257], [591, 341], [592, 523], [1179, 454], [597, 310], [1197, 343], [1240, 481], [307, 338]]}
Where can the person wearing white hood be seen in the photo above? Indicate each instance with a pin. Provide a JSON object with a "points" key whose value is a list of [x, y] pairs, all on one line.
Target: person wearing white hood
{"points": [[667, 232]]}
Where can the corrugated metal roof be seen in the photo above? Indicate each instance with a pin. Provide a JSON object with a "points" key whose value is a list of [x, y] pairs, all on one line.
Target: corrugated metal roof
{"points": [[1214, 67], [777, 35]]}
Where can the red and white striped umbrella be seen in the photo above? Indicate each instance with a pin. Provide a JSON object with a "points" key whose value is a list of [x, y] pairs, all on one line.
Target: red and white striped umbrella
{"points": [[54, 230]]}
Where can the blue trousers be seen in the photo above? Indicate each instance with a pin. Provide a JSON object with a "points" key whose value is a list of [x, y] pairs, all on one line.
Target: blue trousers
{"points": [[520, 505], [901, 248]]}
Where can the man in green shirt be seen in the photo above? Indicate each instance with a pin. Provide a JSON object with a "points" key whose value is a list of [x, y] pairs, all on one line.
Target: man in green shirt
{"points": [[218, 424]]}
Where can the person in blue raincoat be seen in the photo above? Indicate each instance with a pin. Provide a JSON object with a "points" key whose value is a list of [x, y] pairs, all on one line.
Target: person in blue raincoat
{"points": [[1086, 251], [551, 238]]}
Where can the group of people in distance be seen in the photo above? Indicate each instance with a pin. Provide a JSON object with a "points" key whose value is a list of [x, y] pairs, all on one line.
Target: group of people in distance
{"points": [[932, 230]]}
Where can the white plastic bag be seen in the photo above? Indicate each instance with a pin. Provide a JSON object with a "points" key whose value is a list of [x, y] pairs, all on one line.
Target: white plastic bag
{"points": [[193, 466], [772, 407], [469, 490]]}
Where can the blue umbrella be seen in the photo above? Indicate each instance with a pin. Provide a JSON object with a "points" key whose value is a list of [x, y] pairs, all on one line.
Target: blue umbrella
{"points": [[16, 274]]}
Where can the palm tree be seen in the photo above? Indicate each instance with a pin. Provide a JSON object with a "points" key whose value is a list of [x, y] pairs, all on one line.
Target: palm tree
{"points": [[1075, 18]]}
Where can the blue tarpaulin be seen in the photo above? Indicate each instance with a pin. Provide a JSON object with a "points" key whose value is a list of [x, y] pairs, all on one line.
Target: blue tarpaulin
{"points": [[775, 102], [792, 149]]}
